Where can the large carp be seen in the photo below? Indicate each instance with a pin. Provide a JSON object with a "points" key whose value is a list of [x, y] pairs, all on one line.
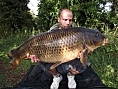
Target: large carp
{"points": [[58, 46]]}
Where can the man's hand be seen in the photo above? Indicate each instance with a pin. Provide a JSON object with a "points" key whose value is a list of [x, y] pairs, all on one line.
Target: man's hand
{"points": [[74, 71], [33, 58]]}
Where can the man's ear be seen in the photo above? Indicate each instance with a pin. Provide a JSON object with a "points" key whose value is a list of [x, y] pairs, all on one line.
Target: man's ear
{"points": [[58, 19]]}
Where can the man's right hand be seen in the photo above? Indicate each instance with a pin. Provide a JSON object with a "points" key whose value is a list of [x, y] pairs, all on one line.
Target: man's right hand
{"points": [[74, 71], [33, 58]]}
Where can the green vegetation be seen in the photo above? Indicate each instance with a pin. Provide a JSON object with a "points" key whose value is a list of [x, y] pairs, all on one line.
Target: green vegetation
{"points": [[7, 44], [104, 61]]}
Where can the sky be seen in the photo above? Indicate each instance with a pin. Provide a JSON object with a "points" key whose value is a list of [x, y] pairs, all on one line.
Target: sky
{"points": [[33, 6]]}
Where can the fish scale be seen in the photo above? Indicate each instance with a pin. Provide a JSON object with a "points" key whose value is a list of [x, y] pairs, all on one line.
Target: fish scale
{"points": [[58, 46]]}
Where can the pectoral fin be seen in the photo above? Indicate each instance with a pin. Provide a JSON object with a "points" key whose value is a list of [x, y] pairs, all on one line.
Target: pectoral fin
{"points": [[83, 58], [55, 65]]}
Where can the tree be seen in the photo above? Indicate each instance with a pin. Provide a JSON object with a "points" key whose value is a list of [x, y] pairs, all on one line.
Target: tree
{"points": [[14, 15], [87, 13]]}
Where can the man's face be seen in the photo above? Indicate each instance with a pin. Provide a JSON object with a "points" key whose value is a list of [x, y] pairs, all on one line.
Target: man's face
{"points": [[65, 19]]}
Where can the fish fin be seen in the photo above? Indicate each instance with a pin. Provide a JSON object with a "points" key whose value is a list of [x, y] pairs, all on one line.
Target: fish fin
{"points": [[55, 65], [83, 58]]}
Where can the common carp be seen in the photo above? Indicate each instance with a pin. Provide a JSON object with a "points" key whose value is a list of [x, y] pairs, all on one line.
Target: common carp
{"points": [[59, 46]]}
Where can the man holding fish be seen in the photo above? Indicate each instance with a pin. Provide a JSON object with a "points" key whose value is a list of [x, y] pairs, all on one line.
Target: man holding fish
{"points": [[73, 68]]}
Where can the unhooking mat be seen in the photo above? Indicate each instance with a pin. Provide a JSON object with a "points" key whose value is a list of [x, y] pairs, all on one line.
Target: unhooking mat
{"points": [[39, 84]]}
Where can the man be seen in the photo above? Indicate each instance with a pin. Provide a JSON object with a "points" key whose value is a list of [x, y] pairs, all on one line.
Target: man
{"points": [[71, 68]]}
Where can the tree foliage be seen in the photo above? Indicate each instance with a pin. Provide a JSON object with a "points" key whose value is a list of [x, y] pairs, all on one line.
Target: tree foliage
{"points": [[87, 13], [14, 15]]}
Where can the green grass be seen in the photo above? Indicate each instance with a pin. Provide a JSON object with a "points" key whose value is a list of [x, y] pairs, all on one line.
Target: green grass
{"points": [[104, 60], [6, 44]]}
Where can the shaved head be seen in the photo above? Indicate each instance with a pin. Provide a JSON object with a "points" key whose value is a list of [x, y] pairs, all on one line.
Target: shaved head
{"points": [[61, 12]]}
